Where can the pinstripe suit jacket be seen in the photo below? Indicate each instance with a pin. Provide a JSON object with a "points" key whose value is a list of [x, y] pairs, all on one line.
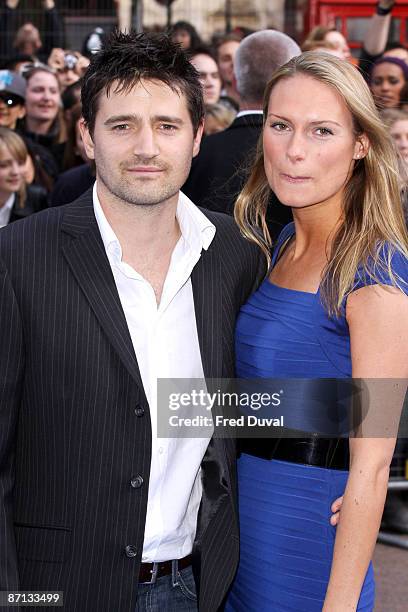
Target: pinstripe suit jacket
{"points": [[74, 419]]}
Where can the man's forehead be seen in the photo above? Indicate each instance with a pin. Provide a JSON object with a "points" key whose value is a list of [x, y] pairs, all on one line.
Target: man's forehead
{"points": [[145, 89]]}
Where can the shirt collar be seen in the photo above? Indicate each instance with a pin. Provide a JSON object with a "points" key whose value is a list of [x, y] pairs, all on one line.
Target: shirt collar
{"points": [[196, 229], [8, 204]]}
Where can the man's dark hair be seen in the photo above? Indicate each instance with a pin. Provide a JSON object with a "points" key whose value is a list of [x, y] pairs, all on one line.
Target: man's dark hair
{"points": [[125, 59], [203, 50]]}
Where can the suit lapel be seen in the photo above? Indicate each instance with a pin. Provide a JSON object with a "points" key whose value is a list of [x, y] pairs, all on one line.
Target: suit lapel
{"points": [[207, 292], [86, 256]]}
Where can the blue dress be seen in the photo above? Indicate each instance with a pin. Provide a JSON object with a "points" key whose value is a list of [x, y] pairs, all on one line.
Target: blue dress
{"points": [[286, 538]]}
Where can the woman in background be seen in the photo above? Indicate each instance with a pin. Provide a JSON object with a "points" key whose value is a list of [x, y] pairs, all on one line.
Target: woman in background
{"points": [[334, 306], [44, 122], [388, 78], [15, 202]]}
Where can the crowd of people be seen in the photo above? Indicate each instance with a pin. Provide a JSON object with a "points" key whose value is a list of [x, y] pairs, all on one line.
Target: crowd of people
{"points": [[307, 148]]}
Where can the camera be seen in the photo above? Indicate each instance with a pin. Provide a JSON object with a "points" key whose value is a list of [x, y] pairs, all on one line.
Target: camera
{"points": [[70, 61]]}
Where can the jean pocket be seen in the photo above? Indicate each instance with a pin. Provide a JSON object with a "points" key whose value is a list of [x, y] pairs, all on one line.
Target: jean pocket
{"points": [[185, 581]]}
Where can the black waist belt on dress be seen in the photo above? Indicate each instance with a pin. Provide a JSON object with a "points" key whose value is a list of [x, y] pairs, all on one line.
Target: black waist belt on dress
{"points": [[331, 453]]}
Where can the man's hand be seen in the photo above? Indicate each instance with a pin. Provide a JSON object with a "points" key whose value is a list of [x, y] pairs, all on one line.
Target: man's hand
{"points": [[12, 4], [335, 508], [48, 4]]}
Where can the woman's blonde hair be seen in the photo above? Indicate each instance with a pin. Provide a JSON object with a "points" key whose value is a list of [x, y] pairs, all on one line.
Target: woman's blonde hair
{"points": [[372, 208], [16, 146]]}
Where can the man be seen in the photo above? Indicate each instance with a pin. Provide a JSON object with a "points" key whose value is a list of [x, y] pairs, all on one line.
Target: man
{"points": [[98, 299], [218, 173], [27, 39], [12, 98], [226, 50], [206, 66]]}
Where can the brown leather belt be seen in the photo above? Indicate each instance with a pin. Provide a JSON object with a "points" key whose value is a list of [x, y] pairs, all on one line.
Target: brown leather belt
{"points": [[149, 572]]}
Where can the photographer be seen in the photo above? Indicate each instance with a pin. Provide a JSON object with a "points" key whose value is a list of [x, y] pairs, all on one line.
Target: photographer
{"points": [[27, 40], [68, 65]]}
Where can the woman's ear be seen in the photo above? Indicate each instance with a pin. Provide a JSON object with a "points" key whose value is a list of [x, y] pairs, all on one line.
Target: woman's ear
{"points": [[361, 147]]}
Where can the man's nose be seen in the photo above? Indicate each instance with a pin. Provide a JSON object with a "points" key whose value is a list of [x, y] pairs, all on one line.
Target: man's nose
{"points": [[145, 144]]}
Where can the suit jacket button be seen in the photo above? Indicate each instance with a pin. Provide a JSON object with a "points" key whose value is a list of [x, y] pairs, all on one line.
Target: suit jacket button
{"points": [[139, 411], [137, 482], [131, 551]]}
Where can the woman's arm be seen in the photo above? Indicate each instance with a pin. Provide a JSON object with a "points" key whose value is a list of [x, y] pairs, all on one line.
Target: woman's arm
{"points": [[376, 37], [378, 323]]}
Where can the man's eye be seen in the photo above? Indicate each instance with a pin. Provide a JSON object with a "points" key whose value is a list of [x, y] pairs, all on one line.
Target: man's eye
{"points": [[168, 127], [122, 127]]}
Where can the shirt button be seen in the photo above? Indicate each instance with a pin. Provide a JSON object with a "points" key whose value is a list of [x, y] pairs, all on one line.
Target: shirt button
{"points": [[161, 450], [139, 411], [131, 551], [137, 482]]}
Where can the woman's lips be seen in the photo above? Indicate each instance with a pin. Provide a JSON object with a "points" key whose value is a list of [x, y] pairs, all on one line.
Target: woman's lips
{"points": [[294, 179]]}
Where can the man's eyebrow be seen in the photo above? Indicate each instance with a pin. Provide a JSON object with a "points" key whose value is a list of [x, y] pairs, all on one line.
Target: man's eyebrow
{"points": [[132, 118], [121, 119], [169, 119], [318, 122]]}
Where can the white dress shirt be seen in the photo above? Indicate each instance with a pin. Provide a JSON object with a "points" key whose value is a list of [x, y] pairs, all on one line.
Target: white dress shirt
{"points": [[166, 345], [5, 210]]}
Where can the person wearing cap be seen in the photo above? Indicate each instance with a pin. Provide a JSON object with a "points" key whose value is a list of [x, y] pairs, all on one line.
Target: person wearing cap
{"points": [[12, 98]]}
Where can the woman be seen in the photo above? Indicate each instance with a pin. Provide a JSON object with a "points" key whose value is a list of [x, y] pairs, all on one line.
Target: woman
{"points": [[320, 314], [44, 122], [333, 37], [15, 202], [388, 77], [186, 35]]}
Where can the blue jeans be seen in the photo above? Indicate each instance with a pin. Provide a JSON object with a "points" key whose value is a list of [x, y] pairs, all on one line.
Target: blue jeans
{"points": [[173, 593]]}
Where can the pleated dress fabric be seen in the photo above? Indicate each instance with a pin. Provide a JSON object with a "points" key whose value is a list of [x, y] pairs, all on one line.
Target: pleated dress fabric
{"points": [[286, 538]]}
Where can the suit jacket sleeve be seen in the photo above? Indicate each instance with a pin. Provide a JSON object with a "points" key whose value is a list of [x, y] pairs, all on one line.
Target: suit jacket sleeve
{"points": [[11, 374]]}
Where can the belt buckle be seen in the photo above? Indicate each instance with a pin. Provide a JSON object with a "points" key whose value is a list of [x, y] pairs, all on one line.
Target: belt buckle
{"points": [[154, 573]]}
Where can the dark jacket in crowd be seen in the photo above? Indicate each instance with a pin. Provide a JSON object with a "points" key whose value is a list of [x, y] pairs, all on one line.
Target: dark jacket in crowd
{"points": [[219, 171], [52, 35], [72, 184]]}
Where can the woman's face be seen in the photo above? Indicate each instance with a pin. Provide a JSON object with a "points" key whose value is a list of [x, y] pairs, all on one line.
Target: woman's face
{"points": [[309, 143], [42, 97], [11, 172], [399, 132], [387, 80], [340, 43], [183, 38]]}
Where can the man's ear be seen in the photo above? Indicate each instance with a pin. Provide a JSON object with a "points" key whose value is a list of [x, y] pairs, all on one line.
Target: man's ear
{"points": [[86, 139], [361, 147], [197, 139]]}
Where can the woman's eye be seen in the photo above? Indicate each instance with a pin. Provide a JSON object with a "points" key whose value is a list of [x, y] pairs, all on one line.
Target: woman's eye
{"points": [[322, 131], [279, 126]]}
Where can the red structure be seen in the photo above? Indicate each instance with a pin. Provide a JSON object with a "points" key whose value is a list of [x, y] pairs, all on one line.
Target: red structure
{"points": [[351, 18]]}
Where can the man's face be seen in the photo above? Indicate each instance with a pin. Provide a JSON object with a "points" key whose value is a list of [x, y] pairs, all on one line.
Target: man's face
{"points": [[142, 144], [226, 55], [209, 77]]}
